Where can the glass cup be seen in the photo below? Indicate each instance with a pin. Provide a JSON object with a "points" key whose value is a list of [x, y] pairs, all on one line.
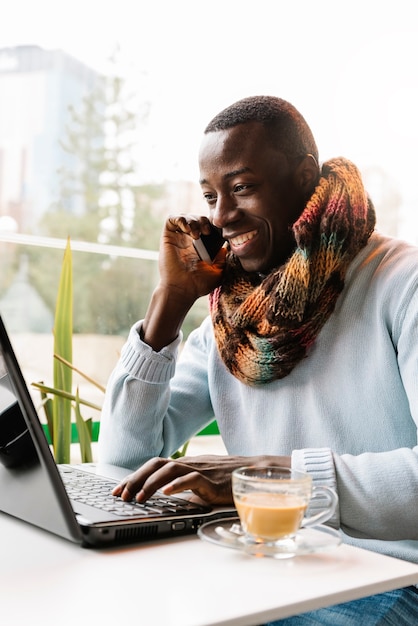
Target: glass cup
{"points": [[272, 502]]}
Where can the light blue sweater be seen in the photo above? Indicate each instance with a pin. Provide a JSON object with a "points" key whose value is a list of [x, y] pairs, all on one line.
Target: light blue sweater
{"points": [[347, 414]]}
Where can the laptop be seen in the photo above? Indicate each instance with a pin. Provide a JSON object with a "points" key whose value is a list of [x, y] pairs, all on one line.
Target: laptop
{"points": [[75, 501]]}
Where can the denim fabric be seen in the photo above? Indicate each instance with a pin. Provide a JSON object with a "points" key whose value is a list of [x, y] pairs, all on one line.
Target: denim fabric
{"points": [[394, 608]]}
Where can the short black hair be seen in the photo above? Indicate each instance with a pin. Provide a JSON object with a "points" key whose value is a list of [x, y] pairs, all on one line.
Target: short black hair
{"points": [[287, 127]]}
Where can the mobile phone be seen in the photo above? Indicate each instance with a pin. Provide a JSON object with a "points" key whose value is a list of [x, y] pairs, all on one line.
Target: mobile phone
{"points": [[208, 246]]}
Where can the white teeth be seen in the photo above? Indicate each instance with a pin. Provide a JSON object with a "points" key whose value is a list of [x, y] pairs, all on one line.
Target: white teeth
{"points": [[238, 241]]}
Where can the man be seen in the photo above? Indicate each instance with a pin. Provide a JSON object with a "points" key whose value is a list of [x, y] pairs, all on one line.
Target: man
{"points": [[309, 357]]}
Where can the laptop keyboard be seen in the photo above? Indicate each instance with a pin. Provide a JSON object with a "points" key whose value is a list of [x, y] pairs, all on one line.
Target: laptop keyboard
{"points": [[96, 491]]}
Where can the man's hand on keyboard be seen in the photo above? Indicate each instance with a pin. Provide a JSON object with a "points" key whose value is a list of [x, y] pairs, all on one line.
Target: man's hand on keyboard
{"points": [[208, 477]]}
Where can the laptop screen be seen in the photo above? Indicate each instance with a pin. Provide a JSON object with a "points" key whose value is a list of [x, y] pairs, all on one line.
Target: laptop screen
{"points": [[30, 486]]}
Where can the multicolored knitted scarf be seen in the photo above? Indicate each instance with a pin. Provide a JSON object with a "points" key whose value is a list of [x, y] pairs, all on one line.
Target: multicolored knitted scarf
{"points": [[265, 326]]}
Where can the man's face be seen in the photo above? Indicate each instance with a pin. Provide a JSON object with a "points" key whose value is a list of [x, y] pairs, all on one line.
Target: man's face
{"points": [[251, 193]]}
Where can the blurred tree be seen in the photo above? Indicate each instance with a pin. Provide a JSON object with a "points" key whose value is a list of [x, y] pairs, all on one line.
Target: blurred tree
{"points": [[101, 201], [99, 196]]}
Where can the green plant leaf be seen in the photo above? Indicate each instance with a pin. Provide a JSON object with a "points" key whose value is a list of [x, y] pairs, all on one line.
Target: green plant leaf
{"points": [[181, 452], [59, 407], [44, 389], [85, 429], [48, 407], [63, 332], [85, 376]]}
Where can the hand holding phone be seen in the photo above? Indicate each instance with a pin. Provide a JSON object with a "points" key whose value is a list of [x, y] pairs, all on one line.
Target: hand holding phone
{"points": [[208, 246]]}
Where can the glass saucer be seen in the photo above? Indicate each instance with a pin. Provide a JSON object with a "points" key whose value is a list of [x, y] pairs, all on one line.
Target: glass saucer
{"points": [[228, 533]]}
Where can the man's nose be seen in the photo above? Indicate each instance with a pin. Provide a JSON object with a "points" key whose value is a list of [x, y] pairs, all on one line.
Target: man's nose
{"points": [[224, 212]]}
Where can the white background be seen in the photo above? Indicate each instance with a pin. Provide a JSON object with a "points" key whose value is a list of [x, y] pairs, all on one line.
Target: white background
{"points": [[350, 68]]}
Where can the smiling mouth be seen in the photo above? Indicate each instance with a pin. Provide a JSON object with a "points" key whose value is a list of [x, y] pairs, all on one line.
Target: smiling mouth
{"points": [[239, 240]]}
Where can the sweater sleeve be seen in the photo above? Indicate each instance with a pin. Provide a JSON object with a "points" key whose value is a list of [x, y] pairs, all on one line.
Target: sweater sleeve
{"points": [[144, 414], [319, 463], [378, 490]]}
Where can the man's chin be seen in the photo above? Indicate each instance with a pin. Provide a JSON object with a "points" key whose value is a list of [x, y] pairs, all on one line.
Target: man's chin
{"points": [[253, 267]]}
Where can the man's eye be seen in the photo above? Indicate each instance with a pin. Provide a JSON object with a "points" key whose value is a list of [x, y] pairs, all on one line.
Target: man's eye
{"points": [[209, 197], [242, 187]]}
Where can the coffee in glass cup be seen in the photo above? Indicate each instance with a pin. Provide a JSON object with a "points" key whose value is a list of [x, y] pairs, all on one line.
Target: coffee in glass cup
{"points": [[272, 504]]}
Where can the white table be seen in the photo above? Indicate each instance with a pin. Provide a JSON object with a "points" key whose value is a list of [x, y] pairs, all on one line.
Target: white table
{"points": [[45, 581]]}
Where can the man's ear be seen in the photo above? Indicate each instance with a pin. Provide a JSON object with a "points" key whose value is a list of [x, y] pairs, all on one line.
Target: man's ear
{"points": [[307, 174]]}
